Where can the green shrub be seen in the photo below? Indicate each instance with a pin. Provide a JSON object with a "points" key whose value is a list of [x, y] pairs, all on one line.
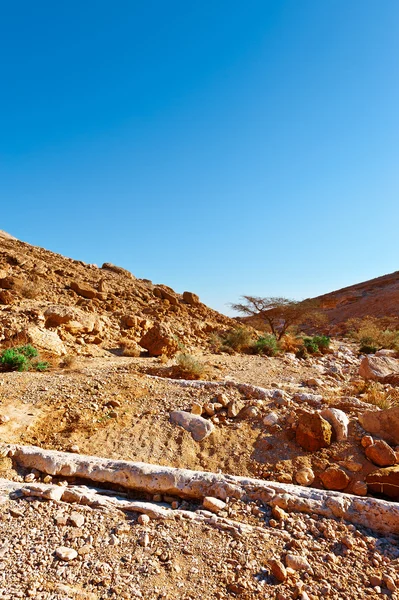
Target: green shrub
{"points": [[238, 339], [27, 350], [317, 343], [322, 341], [19, 359], [310, 345], [266, 344], [41, 365], [13, 360]]}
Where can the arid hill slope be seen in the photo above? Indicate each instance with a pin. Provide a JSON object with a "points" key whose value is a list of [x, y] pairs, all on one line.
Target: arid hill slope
{"points": [[68, 306], [377, 297]]}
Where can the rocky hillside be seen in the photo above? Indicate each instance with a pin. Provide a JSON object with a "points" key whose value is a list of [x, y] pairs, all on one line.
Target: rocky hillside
{"points": [[377, 297], [66, 306]]}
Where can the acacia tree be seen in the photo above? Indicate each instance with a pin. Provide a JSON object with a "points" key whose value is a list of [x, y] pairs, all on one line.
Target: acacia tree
{"points": [[279, 313]]}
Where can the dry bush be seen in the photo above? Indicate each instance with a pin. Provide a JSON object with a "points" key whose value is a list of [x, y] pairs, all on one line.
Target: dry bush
{"points": [[238, 339], [377, 395], [68, 361], [189, 367], [291, 343], [372, 334], [130, 348]]}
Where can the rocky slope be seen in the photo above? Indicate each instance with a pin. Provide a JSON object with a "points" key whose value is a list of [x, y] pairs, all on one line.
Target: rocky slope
{"points": [[67, 306], [377, 297]]}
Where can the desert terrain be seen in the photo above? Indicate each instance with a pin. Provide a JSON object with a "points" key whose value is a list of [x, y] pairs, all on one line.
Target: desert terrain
{"points": [[295, 471]]}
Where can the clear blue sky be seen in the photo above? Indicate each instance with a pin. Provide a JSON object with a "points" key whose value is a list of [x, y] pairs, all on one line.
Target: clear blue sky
{"points": [[224, 147]]}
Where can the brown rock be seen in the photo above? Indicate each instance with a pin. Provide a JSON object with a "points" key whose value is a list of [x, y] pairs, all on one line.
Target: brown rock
{"points": [[334, 479], [313, 432], [278, 569], [234, 407], [384, 481], [130, 321], [83, 289], [191, 298], [45, 340], [7, 283], [381, 454], [159, 340], [360, 488], [6, 297], [378, 368], [384, 423], [166, 295], [119, 270]]}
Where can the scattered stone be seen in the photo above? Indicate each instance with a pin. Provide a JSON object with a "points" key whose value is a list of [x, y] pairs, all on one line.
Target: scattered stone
{"points": [[234, 407], [381, 454], [83, 289], [199, 427], [76, 519], [305, 476], [313, 432], [271, 419], [196, 408], [159, 340], [359, 488], [4, 419], [65, 553], [383, 423], [213, 504], [339, 422], [143, 519], [367, 440], [334, 479], [278, 569], [297, 563]]}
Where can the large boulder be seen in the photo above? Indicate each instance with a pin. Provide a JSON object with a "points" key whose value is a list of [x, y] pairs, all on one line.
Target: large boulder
{"points": [[73, 318], [45, 340], [118, 270], [381, 454], [83, 289], [166, 295], [159, 340], [313, 432], [199, 427], [379, 368], [383, 423], [384, 481], [339, 422], [191, 298]]}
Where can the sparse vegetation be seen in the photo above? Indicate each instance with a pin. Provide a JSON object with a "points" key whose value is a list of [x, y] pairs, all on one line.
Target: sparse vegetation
{"points": [[68, 361], [20, 358], [238, 339], [130, 348], [267, 345], [372, 335], [190, 367], [377, 395]]}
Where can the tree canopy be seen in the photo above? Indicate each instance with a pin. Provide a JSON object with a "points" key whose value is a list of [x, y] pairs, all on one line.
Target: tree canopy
{"points": [[278, 313]]}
